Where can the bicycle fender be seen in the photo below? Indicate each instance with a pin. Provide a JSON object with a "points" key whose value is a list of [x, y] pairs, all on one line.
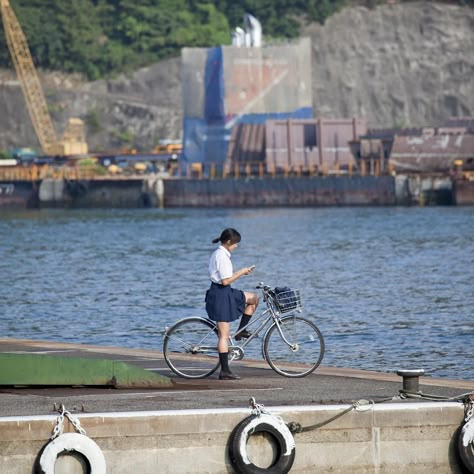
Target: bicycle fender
{"points": [[264, 338], [268, 330]]}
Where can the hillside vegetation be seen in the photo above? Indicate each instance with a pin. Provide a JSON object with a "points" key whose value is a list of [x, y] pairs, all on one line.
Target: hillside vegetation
{"points": [[407, 64], [100, 38]]}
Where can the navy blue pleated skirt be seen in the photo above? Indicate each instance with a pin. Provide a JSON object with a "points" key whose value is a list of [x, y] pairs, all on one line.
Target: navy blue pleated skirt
{"points": [[224, 303]]}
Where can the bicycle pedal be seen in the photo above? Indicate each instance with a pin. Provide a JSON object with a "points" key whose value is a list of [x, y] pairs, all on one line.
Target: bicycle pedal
{"points": [[243, 335]]}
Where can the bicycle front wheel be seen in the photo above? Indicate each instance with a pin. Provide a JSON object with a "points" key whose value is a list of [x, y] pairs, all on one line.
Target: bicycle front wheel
{"points": [[190, 348], [304, 351]]}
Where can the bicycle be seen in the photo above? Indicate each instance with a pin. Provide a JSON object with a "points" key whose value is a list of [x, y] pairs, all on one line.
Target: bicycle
{"points": [[293, 346]]}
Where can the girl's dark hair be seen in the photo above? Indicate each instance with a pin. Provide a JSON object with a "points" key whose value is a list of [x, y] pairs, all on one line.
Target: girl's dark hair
{"points": [[228, 234]]}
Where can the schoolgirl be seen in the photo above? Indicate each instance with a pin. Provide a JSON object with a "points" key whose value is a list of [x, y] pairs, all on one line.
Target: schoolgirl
{"points": [[225, 304]]}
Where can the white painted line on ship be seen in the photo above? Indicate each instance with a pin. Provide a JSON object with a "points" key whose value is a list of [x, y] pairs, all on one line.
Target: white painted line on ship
{"points": [[38, 352], [167, 392], [386, 407], [203, 391], [142, 395], [166, 369]]}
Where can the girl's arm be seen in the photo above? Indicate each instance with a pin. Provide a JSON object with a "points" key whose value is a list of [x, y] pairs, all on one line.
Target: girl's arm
{"points": [[237, 275]]}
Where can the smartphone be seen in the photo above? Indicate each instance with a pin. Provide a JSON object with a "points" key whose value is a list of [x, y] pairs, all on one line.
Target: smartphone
{"points": [[252, 267]]}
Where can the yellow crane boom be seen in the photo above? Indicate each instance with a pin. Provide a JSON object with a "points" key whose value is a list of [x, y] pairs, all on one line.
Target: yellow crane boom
{"points": [[73, 142]]}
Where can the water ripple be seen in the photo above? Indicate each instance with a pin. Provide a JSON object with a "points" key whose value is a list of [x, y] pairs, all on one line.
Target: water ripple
{"points": [[389, 287]]}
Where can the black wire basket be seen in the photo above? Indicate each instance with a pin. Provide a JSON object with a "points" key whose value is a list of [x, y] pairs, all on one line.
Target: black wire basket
{"points": [[287, 299]]}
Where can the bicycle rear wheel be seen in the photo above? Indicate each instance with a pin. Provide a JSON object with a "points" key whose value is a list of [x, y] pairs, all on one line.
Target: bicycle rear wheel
{"points": [[190, 348], [305, 353]]}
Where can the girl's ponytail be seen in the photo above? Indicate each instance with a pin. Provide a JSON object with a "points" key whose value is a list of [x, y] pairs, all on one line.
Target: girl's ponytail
{"points": [[228, 234]]}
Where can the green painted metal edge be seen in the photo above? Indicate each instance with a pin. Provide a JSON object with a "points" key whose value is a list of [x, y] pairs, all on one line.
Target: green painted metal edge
{"points": [[31, 369]]}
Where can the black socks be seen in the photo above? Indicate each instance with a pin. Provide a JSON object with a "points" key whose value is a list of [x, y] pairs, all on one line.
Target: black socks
{"points": [[224, 359], [244, 321], [224, 356]]}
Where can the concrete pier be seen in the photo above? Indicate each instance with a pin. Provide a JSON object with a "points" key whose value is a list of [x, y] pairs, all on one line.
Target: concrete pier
{"points": [[417, 437], [163, 191], [280, 191], [158, 191], [187, 428]]}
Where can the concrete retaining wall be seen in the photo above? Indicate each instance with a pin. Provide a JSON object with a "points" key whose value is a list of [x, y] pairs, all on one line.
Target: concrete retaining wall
{"points": [[424, 190], [118, 193], [109, 193], [157, 191], [383, 438], [256, 192], [291, 191], [464, 192]]}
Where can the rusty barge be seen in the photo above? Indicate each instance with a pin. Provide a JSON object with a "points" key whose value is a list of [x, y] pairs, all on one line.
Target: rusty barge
{"points": [[161, 192], [291, 162]]}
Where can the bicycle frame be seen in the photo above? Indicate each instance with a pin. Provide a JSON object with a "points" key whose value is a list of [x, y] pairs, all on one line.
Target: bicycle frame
{"points": [[254, 320], [288, 339], [272, 316], [204, 349]]}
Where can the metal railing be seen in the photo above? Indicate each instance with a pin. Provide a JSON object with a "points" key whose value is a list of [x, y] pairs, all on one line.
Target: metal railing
{"points": [[188, 171], [259, 170], [38, 173]]}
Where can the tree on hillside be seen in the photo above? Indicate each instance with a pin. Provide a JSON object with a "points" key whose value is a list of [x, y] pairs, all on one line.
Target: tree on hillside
{"points": [[82, 38], [103, 37], [156, 29], [62, 35]]}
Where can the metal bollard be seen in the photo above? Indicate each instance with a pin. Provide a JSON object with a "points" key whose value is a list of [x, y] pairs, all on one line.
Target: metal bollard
{"points": [[411, 379]]}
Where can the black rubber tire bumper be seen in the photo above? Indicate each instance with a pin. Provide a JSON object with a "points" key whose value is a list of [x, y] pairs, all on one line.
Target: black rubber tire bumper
{"points": [[466, 445], [278, 431]]}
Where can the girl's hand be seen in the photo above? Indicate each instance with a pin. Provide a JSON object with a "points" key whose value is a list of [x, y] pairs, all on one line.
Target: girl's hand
{"points": [[248, 270]]}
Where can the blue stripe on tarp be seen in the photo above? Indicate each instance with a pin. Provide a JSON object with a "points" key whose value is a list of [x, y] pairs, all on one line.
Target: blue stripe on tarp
{"points": [[205, 142], [194, 136], [214, 112], [301, 113]]}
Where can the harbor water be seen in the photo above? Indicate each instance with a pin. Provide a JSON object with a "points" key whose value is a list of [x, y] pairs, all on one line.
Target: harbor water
{"points": [[389, 288]]}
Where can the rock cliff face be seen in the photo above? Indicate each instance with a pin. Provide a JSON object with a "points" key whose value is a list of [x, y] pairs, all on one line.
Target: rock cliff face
{"points": [[128, 112], [410, 64]]}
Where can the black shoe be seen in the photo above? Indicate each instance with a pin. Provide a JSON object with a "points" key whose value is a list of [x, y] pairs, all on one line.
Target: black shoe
{"points": [[228, 376], [243, 335]]}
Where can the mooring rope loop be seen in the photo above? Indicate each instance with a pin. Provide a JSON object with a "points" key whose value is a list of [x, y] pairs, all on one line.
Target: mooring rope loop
{"points": [[366, 405]]}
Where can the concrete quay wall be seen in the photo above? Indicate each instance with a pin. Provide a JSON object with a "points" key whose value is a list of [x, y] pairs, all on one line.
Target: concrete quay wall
{"points": [[290, 191], [94, 193], [256, 192], [381, 438], [464, 192], [162, 191]]}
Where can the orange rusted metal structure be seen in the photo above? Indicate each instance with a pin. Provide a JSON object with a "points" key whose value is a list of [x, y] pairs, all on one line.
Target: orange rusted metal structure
{"points": [[294, 146]]}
